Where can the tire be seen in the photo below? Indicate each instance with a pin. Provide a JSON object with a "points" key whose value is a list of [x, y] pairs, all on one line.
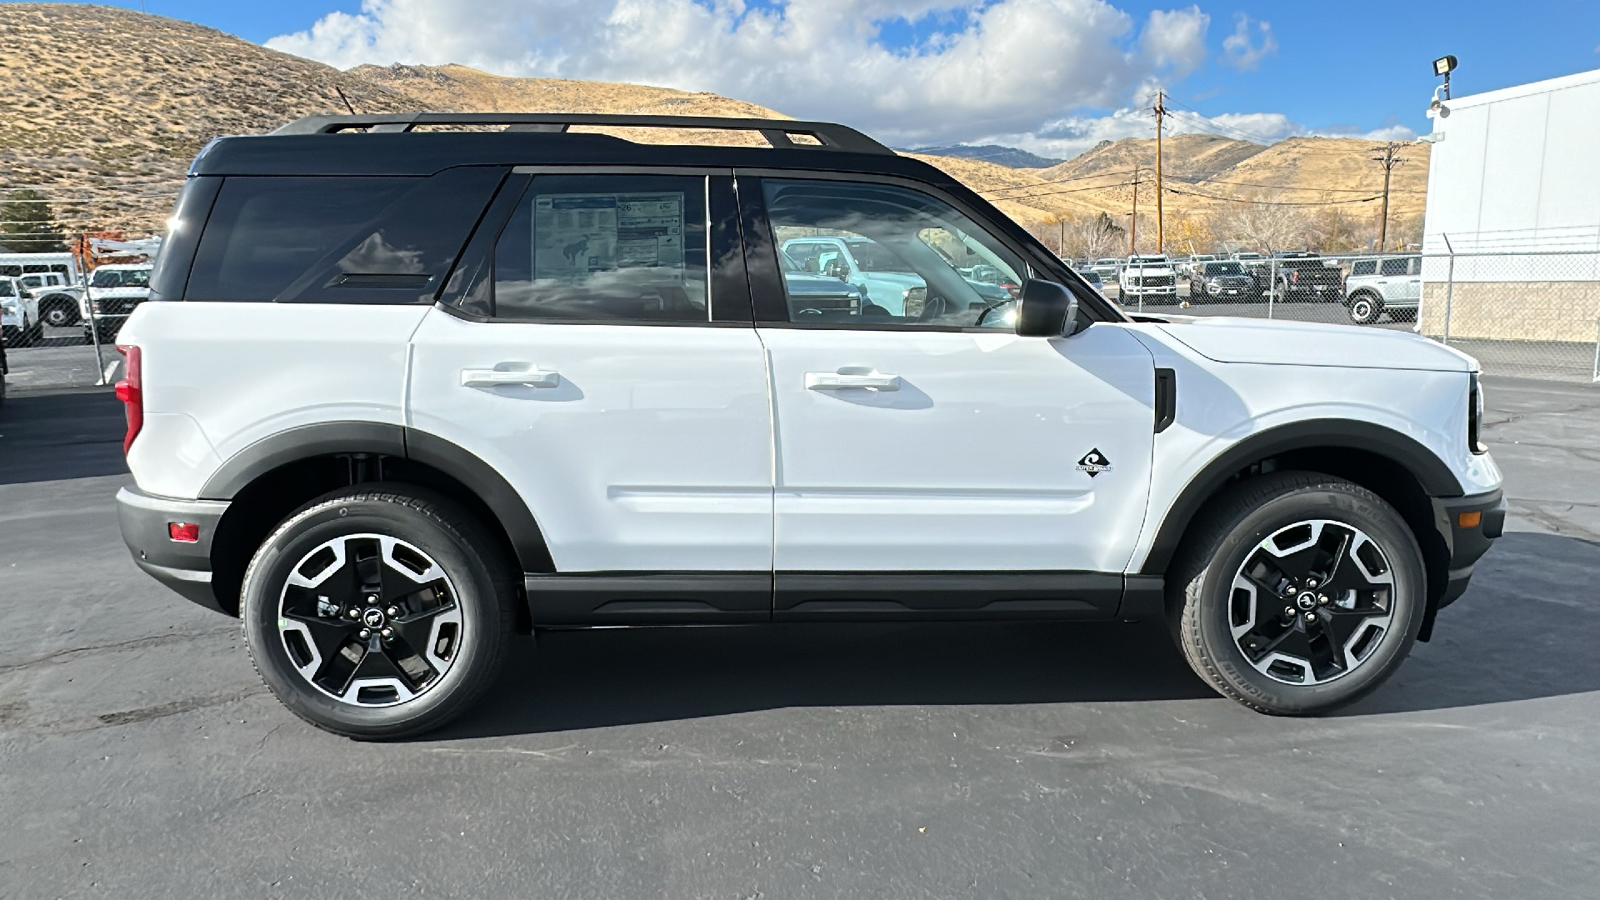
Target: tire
{"points": [[450, 637], [59, 312], [1212, 594], [1365, 309]]}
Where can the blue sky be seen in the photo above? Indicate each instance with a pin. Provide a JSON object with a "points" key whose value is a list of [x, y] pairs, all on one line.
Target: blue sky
{"points": [[1321, 71]]}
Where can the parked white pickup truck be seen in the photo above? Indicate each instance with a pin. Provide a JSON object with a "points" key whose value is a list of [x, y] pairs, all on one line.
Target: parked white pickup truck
{"points": [[1148, 277]]}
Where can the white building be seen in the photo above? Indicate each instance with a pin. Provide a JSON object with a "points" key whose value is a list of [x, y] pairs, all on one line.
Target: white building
{"points": [[1514, 193]]}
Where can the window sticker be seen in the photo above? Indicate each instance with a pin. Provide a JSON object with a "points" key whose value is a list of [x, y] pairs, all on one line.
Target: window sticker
{"points": [[575, 235]]}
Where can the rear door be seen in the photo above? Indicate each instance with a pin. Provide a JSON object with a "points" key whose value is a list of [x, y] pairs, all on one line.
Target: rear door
{"points": [[941, 444], [596, 348]]}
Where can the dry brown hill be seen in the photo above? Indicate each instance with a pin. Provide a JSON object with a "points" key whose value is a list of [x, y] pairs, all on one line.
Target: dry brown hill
{"points": [[1188, 157], [107, 121]]}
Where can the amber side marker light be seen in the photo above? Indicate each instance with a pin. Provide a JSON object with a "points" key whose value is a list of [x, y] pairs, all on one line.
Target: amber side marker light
{"points": [[1470, 519]]}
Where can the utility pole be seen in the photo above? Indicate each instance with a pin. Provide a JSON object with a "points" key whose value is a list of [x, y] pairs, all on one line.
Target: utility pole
{"points": [[1388, 160], [1161, 225], [1133, 220]]}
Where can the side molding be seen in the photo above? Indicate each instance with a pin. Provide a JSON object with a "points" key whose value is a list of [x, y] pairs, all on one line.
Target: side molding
{"points": [[1431, 472]]}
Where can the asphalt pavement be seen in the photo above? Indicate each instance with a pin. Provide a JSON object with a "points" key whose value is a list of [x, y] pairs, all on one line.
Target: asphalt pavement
{"points": [[140, 756]]}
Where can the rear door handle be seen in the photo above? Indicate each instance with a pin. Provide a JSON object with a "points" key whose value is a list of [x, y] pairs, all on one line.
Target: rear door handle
{"points": [[837, 381], [515, 373]]}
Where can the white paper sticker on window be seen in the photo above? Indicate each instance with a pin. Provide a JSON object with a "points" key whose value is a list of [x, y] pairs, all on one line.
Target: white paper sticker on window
{"points": [[575, 235]]}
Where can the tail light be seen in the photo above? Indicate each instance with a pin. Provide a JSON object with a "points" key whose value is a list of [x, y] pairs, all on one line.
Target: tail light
{"points": [[1294, 277], [130, 390]]}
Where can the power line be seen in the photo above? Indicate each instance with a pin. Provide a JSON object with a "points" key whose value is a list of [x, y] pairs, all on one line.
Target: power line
{"points": [[1097, 187], [1030, 187], [1283, 187], [1272, 202]]}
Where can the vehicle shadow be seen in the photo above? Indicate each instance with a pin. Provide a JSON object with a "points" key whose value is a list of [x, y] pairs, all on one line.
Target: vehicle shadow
{"points": [[1525, 630], [588, 679], [56, 435]]}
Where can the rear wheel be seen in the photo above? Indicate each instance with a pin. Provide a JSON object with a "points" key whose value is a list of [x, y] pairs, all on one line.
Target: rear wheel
{"points": [[1365, 309], [378, 612], [1299, 593], [59, 311]]}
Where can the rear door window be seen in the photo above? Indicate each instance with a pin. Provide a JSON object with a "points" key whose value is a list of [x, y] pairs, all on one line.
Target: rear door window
{"points": [[605, 248], [1393, 267]]}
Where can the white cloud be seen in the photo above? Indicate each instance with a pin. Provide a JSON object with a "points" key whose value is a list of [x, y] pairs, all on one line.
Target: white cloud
{"points": [[1244, 53], [1005, 66]]}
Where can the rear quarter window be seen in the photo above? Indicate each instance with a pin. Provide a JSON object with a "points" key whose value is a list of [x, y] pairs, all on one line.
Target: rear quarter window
{"points": [[337, 239]]}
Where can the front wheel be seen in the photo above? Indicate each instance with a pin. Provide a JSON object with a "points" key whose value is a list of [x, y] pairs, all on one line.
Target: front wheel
{"points": [[378, 612], [1298, 593]]}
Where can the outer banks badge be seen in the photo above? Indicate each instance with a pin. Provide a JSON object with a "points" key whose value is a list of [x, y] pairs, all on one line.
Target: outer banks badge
{"points": [[1094, 462]]}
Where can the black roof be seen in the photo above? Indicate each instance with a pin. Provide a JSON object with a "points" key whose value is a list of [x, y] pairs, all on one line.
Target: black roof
{"points": [[388, 145]]}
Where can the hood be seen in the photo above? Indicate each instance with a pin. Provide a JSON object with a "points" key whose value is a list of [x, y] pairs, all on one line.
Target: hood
{"points": [[1275, 342], [816, 285], [1148, 271], [904, 279]]}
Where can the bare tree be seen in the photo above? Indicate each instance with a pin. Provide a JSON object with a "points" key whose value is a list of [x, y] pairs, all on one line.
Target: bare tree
{"points": [[1265, 223], [1092, 235]]}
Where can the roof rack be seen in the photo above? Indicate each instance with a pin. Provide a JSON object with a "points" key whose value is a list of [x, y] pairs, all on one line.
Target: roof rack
{"points": [[778, 132]]}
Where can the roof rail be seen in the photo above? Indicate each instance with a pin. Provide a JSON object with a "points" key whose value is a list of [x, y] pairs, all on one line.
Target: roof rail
{"points": [[778, 132]]}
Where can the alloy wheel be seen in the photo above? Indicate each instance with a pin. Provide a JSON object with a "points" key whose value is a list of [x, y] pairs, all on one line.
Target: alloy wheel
{"points": [[370, 620], [1312, 602]]}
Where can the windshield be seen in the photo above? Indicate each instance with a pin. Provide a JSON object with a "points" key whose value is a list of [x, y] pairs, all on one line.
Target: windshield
{"points": [[1247, 256], [110, 278], [872, 257], [1148, 261], [1227, 268]]}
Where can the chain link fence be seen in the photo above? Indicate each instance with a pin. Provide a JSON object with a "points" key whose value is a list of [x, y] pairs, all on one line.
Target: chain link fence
{"points": [[1529, 315], [59, 318]]}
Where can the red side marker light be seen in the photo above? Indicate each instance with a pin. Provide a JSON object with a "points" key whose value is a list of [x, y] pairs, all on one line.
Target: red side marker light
{"points": [[183, 532]]}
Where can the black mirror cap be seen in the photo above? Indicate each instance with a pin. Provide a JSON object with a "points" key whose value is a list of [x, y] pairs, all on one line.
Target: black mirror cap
{"points": [[1046, 309]]}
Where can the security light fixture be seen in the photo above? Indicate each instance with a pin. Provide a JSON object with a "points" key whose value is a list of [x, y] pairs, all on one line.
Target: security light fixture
{"points": [[1442, 67]]}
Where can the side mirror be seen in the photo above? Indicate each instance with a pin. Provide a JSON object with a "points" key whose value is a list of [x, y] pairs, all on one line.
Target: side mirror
{"points": [[1046, 309]]}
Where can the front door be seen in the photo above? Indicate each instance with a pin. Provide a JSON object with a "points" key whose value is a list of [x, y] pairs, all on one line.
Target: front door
{"points": [[939, 441]]}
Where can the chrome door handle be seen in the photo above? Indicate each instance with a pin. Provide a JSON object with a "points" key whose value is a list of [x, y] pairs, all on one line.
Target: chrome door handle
{"points": [[835, 381], [530, 376]]}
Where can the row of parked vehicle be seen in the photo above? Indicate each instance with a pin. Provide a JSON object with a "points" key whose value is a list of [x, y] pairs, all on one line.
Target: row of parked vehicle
{"points": [[1374, 287], [33, 300]]}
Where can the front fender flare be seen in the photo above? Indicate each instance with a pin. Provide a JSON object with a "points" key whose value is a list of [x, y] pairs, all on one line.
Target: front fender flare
{"points": [[1430, 472]]}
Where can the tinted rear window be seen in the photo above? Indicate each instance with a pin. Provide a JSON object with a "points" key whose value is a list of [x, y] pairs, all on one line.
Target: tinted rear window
{"points": [[337, 239]]}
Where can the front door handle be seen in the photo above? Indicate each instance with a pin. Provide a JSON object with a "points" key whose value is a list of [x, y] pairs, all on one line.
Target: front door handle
{"points": [[515, 373], [836, 381]]}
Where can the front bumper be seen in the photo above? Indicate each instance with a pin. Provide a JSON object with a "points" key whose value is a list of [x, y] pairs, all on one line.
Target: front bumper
{"points": [[184, 567], [1486, 518]]}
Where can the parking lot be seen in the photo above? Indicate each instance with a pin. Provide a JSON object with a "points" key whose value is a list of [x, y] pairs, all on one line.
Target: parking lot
{"points": [[140, 756]]}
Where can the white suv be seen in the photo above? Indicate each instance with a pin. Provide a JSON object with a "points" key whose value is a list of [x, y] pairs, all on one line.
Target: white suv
{"points": [[1377, 285], [476, 383]]}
